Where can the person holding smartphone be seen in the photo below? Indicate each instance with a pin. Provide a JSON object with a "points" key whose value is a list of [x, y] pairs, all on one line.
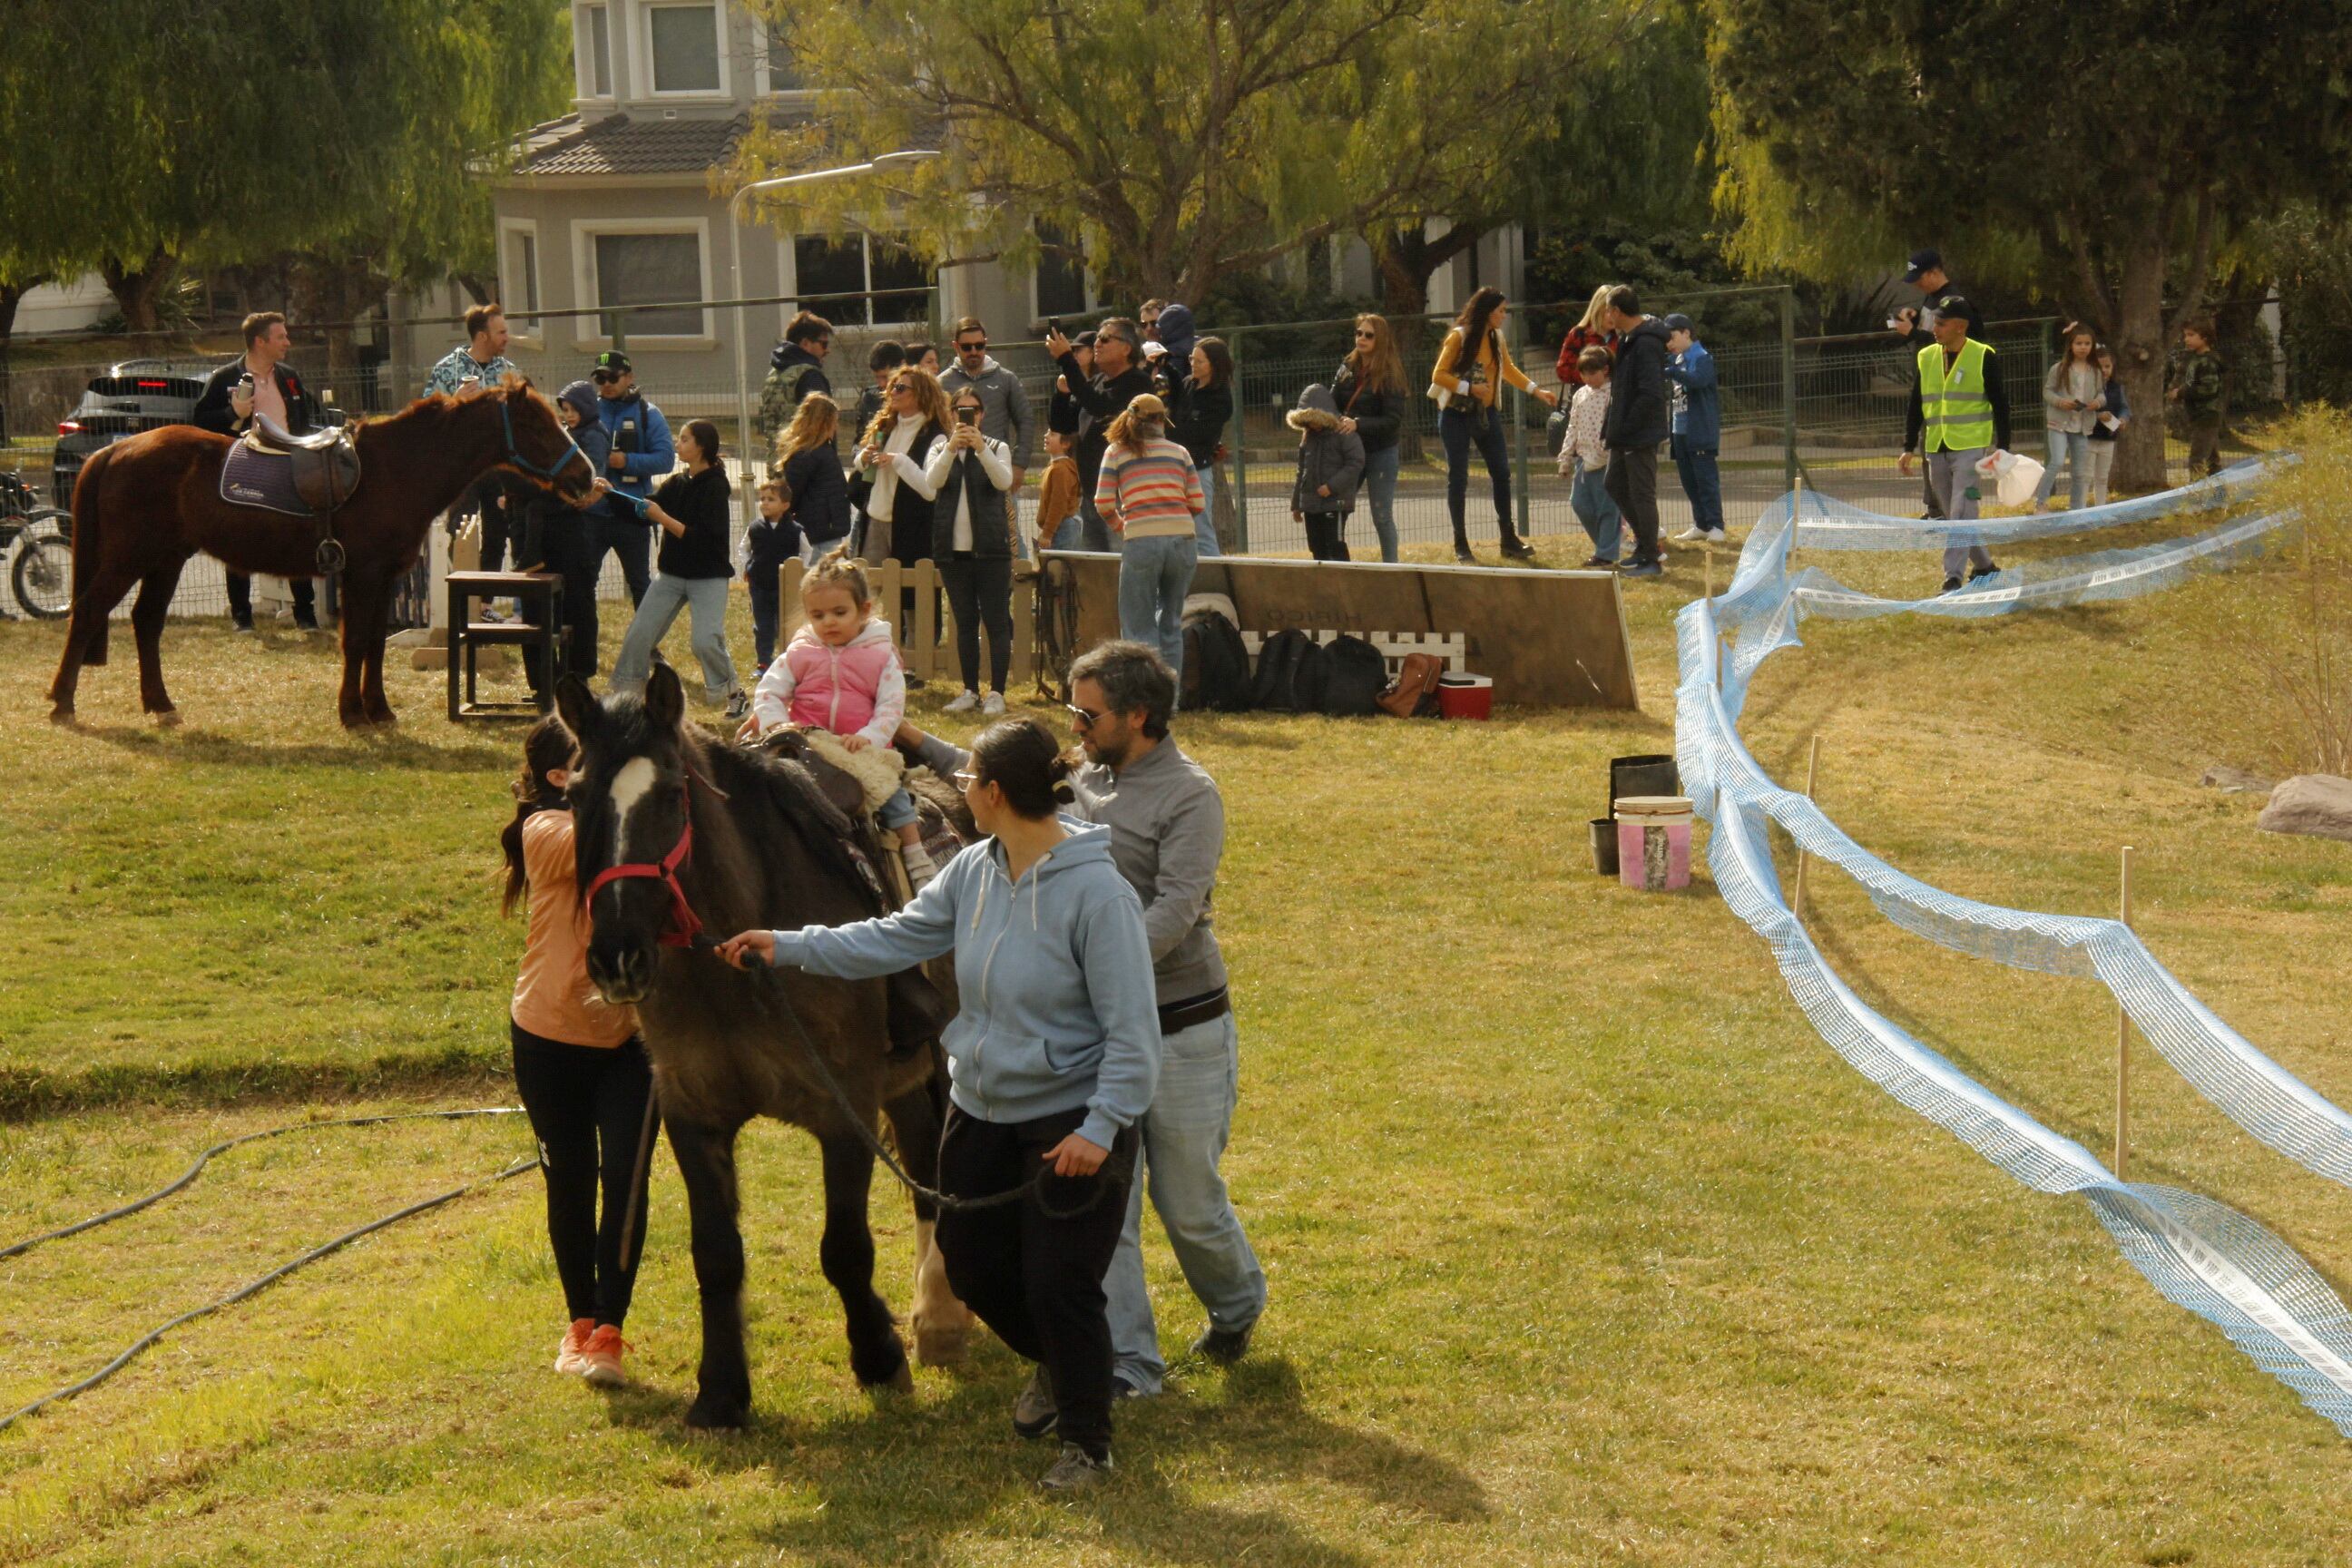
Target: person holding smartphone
{"points": [[972, 540]]}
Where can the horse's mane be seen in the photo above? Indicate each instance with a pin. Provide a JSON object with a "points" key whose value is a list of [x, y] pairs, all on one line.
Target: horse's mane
{"points": [[788, 786]]}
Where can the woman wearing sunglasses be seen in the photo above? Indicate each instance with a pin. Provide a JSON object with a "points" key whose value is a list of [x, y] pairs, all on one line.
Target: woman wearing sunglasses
{"points": [[1369, 391], [1052, 1059], [894, 455]]}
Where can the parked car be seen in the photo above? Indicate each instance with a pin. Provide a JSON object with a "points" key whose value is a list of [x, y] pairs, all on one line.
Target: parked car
{"points": [[134, 396]]}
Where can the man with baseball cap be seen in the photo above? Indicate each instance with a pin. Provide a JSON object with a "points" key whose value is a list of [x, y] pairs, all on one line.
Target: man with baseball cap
{"points": [[642, 456], [1959, 414]]}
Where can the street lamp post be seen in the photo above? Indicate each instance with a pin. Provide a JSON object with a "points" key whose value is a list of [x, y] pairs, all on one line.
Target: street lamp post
{"points": [[735, 274]]}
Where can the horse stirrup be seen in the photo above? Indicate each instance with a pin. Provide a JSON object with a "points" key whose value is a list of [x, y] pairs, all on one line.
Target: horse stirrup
{"points": [[329, 556]]}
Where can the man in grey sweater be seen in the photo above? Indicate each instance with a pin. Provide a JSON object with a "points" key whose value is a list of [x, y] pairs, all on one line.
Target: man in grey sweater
{"points": [[1167, 828]]}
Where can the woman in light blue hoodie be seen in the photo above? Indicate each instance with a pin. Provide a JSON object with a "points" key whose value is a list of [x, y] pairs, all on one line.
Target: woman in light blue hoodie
{"points": [[1052, 1060]]}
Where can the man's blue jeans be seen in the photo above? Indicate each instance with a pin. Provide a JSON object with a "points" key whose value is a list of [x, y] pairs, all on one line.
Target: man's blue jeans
{"points": [[1154, 575], [1184, 1135]]}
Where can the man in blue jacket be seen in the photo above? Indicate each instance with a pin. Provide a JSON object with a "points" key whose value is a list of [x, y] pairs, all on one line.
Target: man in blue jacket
{"points": [[642, 456], [1638, 420], [1698, 429]]}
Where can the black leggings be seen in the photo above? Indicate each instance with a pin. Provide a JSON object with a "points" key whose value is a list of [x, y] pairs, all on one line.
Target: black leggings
{"points": [[1461, 430], [1036, 1279], [980, 592], [587, 1106]]}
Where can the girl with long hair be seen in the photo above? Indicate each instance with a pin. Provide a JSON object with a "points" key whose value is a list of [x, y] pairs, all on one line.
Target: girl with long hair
{"points": [[580, 1070], [1471, 369], [1203, 409], [1369, 389], [2115, 413], [811, 471], [2072, 395], [691, 510], [1149, 493], [1591, 330]]}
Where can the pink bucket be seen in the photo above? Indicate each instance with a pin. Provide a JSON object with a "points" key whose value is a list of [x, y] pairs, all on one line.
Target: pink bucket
{"points": [[1654, 842]]}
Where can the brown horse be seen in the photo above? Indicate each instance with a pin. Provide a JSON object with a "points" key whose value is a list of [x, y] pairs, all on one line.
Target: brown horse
{"points": [[148, 502], [714, 837]]}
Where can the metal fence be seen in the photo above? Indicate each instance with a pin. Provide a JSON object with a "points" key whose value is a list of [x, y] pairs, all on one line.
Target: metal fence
{"points": [[1830, 408]]}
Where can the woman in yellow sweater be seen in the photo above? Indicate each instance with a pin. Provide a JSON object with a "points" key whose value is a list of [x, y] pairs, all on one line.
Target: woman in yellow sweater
{"points": [[1471, 369]]}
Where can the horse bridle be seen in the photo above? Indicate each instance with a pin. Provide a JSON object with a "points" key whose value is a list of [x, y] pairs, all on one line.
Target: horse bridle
{"points": [[684, 925], [514, 453]]}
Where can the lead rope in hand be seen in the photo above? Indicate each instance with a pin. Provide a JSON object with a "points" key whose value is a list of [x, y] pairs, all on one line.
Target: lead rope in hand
{"points": [[946, 1201]]}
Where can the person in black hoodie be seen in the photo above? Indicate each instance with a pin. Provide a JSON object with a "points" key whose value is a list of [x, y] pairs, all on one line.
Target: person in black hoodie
{"points": [[1119, 379], [552, 534], [691, 508], [795, 369], [226, 406], [1641, 418], [1198, 420], [1370, 392]]}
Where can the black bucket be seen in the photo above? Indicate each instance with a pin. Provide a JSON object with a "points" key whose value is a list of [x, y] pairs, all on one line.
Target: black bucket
{"points": [[1604, 845], [1651, 774]]}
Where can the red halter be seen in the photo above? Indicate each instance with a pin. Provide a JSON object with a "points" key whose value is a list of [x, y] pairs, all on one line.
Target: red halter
{"points": [[684, 926]]}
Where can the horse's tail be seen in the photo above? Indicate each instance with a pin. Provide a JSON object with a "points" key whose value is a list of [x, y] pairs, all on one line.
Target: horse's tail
{"points": [[86, 546]]}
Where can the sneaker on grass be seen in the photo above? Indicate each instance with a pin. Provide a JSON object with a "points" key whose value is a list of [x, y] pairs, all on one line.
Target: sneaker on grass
{"points": [[601, 1357], [965, 703], [992, 706], [571, 1355], [1035, 1413], [1075, 1471]]}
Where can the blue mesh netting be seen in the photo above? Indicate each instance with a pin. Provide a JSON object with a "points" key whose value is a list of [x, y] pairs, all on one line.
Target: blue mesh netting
{"points": [[2198, 1253]]}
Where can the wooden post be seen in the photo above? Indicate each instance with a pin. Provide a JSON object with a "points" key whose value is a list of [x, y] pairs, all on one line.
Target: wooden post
{"points": [[1812, 772], [2122, 1040]]}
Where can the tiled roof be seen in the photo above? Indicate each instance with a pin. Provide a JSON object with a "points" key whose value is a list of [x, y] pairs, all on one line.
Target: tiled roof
{"points": [[618, 144]]}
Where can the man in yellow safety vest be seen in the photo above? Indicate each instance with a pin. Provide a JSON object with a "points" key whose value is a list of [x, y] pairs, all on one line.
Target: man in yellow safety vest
{"points": [[1961, 410]]}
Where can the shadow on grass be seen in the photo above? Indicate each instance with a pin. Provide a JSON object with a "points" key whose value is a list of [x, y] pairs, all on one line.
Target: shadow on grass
{"points": [[918, 1475], [365, 750]]}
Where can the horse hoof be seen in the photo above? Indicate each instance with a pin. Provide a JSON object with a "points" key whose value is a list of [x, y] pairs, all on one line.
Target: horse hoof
{"points": [[888, 1369], [715, 1413], [941, 1347], [63, 714], [167, 719]]}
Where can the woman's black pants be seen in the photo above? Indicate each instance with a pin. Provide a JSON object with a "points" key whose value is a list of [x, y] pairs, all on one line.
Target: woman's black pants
{"points": [[587, 1107], [1035, 1277], [980, 592], [1460, 431]]}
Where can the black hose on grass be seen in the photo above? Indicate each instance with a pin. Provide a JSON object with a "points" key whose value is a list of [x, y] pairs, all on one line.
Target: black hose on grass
{"points": [[196, 1170], [283, 1269]]}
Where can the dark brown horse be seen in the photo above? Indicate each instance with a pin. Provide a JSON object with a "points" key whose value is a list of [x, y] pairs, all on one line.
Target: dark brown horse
{"points": [[147, 503], [723, 839]]}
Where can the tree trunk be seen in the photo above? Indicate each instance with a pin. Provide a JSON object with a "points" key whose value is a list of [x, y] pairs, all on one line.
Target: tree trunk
{"points": [[11, 296], [138, 289], [2139, 365]]}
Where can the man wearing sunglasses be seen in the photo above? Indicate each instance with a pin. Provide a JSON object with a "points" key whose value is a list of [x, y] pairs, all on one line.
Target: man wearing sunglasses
{"points": [[1118, 379], [1005, 412], [642, 456], [1166, 827]]}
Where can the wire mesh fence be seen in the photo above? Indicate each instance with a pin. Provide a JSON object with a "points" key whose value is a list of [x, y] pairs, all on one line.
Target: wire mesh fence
{"points": [[1831, 409]]}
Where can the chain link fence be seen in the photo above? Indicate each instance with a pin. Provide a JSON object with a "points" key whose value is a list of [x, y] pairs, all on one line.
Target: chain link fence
{"points": [[1831, 409]]}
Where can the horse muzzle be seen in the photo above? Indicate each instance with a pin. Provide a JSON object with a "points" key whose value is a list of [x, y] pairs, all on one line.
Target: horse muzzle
{"points": [[621, 972]]}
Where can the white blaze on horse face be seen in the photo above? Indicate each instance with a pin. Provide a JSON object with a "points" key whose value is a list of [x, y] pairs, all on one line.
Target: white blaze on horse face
{"points": [[630, 785]]}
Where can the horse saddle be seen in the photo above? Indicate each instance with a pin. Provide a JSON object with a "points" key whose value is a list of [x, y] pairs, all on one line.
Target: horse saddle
{"points": [[323, 466]]}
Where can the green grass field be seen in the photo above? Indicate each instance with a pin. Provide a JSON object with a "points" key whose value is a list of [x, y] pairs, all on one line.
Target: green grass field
{"points": [[1583, 1247]]}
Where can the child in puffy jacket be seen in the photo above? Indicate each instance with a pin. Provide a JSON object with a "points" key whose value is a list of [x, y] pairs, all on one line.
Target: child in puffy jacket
{"points": [[1330, 465], [840, 673]]}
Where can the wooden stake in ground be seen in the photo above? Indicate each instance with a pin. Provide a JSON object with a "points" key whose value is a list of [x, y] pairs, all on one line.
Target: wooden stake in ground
{"points": [[2122, 1041], [1812, 772]]}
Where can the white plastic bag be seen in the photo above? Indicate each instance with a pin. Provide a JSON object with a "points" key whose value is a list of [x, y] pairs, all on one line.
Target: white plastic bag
{"points": [[2015, 477]]}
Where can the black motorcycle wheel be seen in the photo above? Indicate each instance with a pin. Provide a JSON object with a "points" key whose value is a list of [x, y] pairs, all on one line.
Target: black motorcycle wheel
{"points": [[44, 575]]}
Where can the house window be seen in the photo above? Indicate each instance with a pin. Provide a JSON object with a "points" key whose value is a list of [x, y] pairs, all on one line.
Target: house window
{"points": [[594, 49], [652, 269], [854, 265], [518, 277], [783, 76], [684, 42], [1061, 281]]}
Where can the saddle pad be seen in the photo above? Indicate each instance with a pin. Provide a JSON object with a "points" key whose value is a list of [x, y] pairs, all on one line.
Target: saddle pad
{"points": [[265, 479], [878, 769]]}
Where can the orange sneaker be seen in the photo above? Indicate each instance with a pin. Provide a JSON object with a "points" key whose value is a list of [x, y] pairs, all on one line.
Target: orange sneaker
{"points": [[601, 1357], [570, 1356]]}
